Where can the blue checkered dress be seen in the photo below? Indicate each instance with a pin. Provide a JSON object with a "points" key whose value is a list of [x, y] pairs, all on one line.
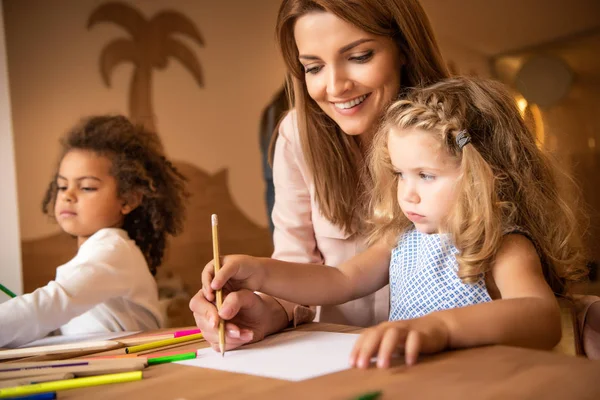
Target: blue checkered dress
{"points": [[423, 277]]}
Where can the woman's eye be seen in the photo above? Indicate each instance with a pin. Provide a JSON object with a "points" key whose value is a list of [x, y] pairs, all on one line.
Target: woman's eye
{"points": [[312, 70], [363, 57]]}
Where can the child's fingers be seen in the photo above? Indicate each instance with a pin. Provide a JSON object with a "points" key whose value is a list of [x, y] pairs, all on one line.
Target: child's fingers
{"points": [[368, 347], [413, 347], [230, 265], [356, 351], [207, 277], [389, 344]]}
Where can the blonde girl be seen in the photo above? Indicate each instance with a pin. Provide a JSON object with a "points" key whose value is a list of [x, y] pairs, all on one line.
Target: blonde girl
{"points": [[469, 225]]}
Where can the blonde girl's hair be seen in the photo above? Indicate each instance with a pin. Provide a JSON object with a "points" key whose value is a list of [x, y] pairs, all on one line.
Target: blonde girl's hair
{"points": [[332, 156], [507, 182]]}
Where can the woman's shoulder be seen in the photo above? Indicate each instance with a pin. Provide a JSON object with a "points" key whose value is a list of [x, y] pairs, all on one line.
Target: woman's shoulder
{"points": [[288, 128]]}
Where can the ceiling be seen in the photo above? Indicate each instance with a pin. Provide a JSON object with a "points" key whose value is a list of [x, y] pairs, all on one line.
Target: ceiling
{"points": [[493, 27]]}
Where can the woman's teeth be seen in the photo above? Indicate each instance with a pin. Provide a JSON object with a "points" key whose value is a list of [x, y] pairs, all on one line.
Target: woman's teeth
{"points": [[351, 103]]}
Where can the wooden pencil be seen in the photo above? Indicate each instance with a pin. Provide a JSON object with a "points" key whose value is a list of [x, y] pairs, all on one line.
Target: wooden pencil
{"points": [[219, 294]]}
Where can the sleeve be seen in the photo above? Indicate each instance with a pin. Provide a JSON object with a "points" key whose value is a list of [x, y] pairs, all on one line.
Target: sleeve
{"points": [[293, 236], [85, 282]]}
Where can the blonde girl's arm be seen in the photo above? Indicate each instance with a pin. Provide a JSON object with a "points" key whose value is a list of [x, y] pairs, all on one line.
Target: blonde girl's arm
{"points": [[308, 284], [526, 315]]}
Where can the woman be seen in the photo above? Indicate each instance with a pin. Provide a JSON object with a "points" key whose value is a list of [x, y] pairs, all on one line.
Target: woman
{"points": [[347, 61]]}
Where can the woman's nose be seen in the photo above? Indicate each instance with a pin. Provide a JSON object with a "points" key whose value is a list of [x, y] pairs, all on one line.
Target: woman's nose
{"points": [[338, 82]]}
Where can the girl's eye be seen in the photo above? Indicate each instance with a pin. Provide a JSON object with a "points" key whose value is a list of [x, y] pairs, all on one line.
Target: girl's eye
{"points": [[363, 57], [312, 70], [426, 177], [88, 189], [61, 188]]}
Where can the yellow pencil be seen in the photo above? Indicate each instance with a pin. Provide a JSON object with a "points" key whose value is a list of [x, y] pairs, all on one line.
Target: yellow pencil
{"points": [[70, 384], [162, 343], [217, 263]]}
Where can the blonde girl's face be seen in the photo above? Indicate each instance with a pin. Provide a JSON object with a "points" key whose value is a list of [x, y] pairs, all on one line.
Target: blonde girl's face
{"points": [[351, 74], [87, 199], [427, 177]]}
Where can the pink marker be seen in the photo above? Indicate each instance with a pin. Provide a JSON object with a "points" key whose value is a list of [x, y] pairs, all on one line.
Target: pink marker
{"points": [[186, 333]]}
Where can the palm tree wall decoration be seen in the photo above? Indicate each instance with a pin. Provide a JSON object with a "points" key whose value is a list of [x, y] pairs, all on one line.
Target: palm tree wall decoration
{"points": [[149, 46]]}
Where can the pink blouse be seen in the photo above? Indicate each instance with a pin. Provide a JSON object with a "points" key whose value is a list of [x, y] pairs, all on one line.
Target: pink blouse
{"points": [[303, 235]]}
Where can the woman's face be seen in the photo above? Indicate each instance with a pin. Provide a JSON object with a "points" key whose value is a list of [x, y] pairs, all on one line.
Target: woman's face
{"points": [[351, 74]]}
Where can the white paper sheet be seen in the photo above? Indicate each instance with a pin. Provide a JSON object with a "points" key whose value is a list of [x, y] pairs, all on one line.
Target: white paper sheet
{"points": [[292, 356], [86, 337]]}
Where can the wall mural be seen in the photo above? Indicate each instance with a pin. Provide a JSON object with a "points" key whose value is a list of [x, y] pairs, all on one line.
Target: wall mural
{"points": [[149, 46]]}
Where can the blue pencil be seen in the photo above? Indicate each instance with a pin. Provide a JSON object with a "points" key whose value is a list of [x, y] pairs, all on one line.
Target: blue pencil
{"points": [[38, 396]]}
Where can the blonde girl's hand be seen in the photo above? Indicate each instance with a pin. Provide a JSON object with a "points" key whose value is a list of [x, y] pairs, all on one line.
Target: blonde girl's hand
{"points": [[237, 272], [428, 334]]}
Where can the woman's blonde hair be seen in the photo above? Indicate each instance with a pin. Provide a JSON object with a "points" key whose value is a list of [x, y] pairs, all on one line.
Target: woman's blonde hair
{"points": [[332, 156], [507, 182]]}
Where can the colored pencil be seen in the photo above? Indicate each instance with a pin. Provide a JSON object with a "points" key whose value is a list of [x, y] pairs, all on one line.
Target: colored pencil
{"points": [[92, 368], [163, 343], [39, 396], [173, 358], [7, 291], [186, 333], [219, 294], [35, 379], [70, 384]]}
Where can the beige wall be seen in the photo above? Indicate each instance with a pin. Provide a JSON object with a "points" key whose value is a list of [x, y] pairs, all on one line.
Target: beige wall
{"points": [[54, 76], [10, 245], [571, 126], [55, 80]]}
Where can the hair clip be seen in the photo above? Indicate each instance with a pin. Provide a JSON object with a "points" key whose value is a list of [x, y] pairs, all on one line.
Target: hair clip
{"points": [[462, 138]]}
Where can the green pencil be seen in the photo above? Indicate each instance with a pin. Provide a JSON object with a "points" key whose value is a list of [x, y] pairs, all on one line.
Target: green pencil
{"points": [[8, 292], [369, 396], [173, 358]]}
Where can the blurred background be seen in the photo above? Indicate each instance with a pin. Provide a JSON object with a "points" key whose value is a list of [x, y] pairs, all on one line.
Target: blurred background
{"points": [[211, 71]]}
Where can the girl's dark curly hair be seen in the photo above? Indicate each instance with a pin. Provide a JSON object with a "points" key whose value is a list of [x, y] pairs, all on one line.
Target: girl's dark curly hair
{"points": [[138, 165]]}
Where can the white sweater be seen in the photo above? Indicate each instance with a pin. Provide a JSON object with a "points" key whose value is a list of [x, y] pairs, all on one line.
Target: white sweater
{"points": [[106, 287]]}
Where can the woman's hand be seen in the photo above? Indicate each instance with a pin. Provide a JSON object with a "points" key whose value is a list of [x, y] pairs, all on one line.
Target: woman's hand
{"points": [[250, 317], [237, 272], [428, 334]]}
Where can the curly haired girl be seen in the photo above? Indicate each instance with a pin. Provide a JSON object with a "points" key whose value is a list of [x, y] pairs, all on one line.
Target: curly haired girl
{"points": [[114, 191], [469, 226]]}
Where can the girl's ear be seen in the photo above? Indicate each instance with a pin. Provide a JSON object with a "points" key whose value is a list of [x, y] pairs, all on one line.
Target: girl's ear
{"points": [[130, 202]]}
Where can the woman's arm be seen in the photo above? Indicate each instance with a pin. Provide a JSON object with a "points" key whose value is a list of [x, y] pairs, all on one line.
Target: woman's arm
{"points": [[293, 234]]}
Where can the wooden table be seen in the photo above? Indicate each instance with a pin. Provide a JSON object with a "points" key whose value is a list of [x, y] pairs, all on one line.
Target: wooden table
{"points": [[497, 372]]}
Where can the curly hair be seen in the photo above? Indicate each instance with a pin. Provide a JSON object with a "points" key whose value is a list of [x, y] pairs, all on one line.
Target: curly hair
{"points": [[138, 165], [506, 182]]}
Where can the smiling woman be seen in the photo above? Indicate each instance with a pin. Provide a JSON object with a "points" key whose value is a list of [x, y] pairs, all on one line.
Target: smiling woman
{"points": [[347, 61]]}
